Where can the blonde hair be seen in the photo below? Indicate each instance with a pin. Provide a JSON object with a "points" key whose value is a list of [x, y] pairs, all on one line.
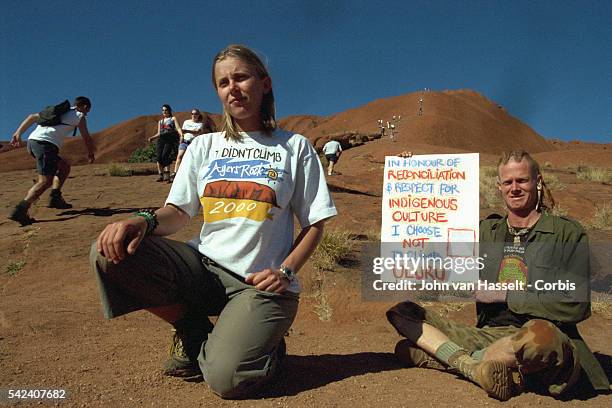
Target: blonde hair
{"points": [[545, 198], [268, 110]]}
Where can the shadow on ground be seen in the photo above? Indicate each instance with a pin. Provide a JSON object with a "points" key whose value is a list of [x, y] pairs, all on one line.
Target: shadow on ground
{"points": [[583, 390], [98, 212], [302, 373]]}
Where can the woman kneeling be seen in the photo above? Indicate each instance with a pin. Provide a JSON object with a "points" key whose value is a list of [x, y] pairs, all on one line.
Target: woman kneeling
{"points": [[249, 180]]}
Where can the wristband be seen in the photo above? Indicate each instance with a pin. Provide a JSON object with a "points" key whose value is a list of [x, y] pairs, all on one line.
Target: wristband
{"points": [[151, 219], [287, 273]]}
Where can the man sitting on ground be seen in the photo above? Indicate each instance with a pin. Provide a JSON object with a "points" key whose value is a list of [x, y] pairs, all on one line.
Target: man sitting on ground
{"points": [[524, 338]]}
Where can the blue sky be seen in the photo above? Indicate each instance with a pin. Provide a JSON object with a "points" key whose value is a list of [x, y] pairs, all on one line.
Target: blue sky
{"points": [[549, 63]]}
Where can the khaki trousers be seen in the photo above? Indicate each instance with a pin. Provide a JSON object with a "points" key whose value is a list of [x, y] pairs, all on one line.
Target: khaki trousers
{"points": [[239, 355]]}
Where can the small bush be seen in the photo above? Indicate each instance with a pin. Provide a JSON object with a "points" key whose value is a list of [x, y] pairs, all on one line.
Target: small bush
{"points": [[373, 234], [489, 172], [14, 267], [552, 182], [594, 174], [602, 219], [559, 211], [601, 303], [335, 246], [322, 307], [146, 154], [489, 194], [116, 170]]}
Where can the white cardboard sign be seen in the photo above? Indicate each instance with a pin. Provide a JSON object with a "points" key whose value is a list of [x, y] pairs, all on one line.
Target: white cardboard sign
{"points": [[430, 208]]}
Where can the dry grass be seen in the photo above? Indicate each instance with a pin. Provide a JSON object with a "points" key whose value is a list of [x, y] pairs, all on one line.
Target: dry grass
{"points": [[117, 170], [559, 210], [373, 234], [444, 308], [552, 182], [451, 307], [489, 172], [594, 174], [602, 218], [13, 268], [601, 303], [322, 307], [489, 194], [334, 247]]}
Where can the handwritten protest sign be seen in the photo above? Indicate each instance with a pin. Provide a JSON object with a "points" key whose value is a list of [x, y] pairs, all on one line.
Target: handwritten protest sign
{"points": [[430, 217]]}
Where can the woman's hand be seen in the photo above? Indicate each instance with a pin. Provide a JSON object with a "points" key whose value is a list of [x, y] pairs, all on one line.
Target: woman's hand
{"points": [[121, 236], [268, 280]]}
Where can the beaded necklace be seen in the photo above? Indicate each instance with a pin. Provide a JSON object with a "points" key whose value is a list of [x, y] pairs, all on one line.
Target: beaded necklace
{"points": [[517, 233]]}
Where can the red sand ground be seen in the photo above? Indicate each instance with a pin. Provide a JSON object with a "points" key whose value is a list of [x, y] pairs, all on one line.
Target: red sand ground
{"points": [[52, 333]]}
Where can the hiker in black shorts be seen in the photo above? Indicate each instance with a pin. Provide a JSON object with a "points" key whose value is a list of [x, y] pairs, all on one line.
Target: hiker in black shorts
{"points": [[44, 144]]}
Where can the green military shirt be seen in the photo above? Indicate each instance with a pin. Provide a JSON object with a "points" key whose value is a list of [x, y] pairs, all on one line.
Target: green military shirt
{"points": [[556, 251]]}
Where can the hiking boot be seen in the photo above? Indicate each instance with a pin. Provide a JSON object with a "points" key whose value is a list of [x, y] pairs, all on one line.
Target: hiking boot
{"points": [[184, 351], [160, 177], [180, 364], [495, 377], [412, 356], [20, 214], [57, 201], [171, 177]]}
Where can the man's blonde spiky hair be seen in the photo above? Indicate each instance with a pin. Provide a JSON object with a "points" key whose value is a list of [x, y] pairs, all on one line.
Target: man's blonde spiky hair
{"points": [[545, 198]]}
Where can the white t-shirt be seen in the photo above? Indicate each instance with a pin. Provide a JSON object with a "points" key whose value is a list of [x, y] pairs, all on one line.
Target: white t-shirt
{"points": [[56, 134], [332, 147], [248, 192], [191, 126]]}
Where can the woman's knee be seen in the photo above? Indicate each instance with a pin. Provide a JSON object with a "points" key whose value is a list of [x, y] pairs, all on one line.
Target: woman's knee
{"points": [[97, 260], [233, 376], [231, 381], [220, 379]]}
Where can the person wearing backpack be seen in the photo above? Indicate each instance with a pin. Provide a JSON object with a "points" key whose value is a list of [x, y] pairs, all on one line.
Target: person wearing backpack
{"points": [[54, 123]]}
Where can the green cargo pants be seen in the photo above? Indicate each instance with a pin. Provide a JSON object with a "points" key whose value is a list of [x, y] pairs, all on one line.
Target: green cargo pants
{"points": [[546, 358]]}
